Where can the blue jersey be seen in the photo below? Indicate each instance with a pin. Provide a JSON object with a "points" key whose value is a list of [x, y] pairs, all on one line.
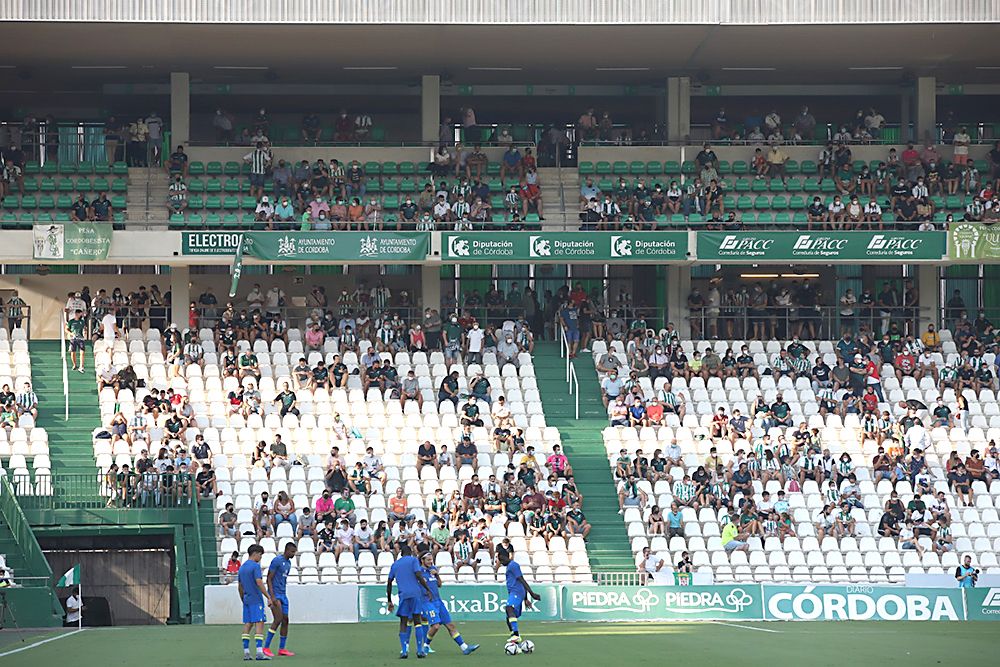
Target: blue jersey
{"points": [[514, 586], [280, 566], [404, 571], [432, 583], [248, 577], [571, 317]]}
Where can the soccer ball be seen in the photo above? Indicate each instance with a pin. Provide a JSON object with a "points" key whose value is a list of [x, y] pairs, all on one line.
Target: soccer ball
{"points": [[511, 648], [527, 646]]}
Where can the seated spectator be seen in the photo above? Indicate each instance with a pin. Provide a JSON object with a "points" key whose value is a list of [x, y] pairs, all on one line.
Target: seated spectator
{"points": [[177, 197]]}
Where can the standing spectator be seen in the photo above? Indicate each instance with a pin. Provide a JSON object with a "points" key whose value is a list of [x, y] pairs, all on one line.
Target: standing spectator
{"points": [[259, 160]]}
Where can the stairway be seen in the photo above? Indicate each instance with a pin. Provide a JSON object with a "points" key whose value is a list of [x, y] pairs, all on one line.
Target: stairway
{"points": [[138, 214], [608, 545], [70, 442]]}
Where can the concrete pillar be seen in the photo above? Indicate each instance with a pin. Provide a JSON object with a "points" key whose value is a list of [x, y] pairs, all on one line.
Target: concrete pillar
{"points": [[180, 295], [929, 290], [180, 108], [678, 108], [678, 285], [926, 109], [430, 107], [430, 286], [905, 113]]}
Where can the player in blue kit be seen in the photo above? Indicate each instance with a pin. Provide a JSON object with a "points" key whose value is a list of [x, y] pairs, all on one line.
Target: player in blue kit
{"points": [[519, 593], [414, 596], [437, 614], [277, 578], [253, 595]]}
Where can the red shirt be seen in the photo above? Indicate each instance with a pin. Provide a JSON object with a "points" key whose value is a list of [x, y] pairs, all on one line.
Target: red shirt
{"points": [[870, 401], [232, 567], [910, 156], [871, 368], [905, 362], [528, 161], [655, 412], [577, 296]]}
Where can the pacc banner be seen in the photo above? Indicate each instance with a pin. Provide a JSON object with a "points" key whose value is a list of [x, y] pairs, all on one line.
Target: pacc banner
{"points": [[982, 604], [820, 246], [862, 603], [662, 603], [973, 240], [76, 241], [465, 603], [312, 246], [560, 247]]}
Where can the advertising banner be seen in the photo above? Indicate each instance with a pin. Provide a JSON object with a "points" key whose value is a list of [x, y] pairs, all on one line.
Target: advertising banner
{"points": [[758, 247], [982, 604], [75, 241], [862, 603], [465, 603], [662, 603], [312, 246], [560, 247], [973, 240]]}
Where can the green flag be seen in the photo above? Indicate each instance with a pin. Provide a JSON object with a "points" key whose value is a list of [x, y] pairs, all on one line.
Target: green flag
{"points": [[71, 578], [237, 267]]}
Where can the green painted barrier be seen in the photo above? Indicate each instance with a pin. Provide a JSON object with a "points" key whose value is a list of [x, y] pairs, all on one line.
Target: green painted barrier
{"points": [[662, 603], [466, 603], [312, 246], [862, 603], [973, 240]]}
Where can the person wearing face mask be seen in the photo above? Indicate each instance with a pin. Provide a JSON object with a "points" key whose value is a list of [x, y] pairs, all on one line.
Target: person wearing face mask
{"points": [[373, 219], [408, 210], [473, 344], [507, 350], [451, 340], [611, 388]]}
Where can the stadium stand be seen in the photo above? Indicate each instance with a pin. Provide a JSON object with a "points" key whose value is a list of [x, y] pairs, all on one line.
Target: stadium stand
{"points": [[814, 544], [24, 448], [372, 419]]}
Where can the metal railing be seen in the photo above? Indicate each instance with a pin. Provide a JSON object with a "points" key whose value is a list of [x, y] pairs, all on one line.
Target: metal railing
{"points": [[98, 491], [65, 373], [572, 383], [20, 530], [621, 578]]}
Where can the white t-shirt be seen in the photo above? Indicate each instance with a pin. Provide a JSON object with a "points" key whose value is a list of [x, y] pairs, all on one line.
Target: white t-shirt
{"points": [[345, 537], [108, 323], [651, 563], [475, 338], [73, 602], [961, 141]]}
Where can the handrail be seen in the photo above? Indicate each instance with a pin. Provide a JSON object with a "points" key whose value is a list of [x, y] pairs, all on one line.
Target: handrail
{"points": [[65, 373], [574, 389], [564, 349], [21, 531]]}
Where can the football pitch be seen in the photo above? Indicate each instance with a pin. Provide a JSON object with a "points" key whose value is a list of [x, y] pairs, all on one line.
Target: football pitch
{"points": [[576, 644]]}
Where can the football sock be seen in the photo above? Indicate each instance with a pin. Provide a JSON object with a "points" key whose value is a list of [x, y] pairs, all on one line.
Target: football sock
{"points": [[259, 642], [513, 626], [282, 640], [421, 636], [270, 636], [246, 642], [458, 640], [404, 640]]}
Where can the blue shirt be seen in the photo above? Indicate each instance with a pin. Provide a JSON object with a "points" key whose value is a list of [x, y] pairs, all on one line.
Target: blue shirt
{"points": [[249, 576], [280, 566], [967, 582], [514, 586], [404, 572], [571, 317], [674, 519], [432, 583]]}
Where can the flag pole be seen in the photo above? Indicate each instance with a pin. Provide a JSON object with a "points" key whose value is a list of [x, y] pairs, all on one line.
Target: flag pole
{"points": [[79, 616]]}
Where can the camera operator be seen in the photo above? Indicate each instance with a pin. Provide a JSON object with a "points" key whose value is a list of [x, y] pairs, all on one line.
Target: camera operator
{"points": [[966, 574]]}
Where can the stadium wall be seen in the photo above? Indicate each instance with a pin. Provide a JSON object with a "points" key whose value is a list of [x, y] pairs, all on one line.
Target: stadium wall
{"points": [[317, 603]]}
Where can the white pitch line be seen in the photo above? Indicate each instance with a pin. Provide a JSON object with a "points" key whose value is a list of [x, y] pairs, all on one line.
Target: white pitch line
{"points": [[746, 627], [39, 643]]}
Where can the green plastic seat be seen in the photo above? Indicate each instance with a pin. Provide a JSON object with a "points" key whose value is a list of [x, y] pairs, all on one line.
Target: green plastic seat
{"points": [[213, 169], [793, 167], [214, 203], [231, 185], [9, 220], [232, 168], [83, 184], [390, 169], [46, 201], [778, 203], [196, 168], [102, 169], [765, 219], [637, 168], [29, 202], [783, 218], [196, 185], [390, 203], [30, 184], [176, 221], [808, 167], [213, 221], [731, 202], [213, 185], [794, 185], [761, 203], [858, 165], [654, 168], [407, 168], [585, 168], [61, 216], [796, 202], [44, 217], [827, 186], [758, 185], [230, 221], [810, 185], [749, 218], [742, 185], [196, 202], [64, 201], [65, 185], [672, 168], [32, 168], [605, 185], [603, 168], [689, 167], [409, 186], [119, 185], [800, 218], [372, 168], [954, 202], [118, 202], [724, 167], [119, 169], [493, 169], [50, 169], [48, 184], [247, 203], [741, 168], [67, 168], [776, 185]]}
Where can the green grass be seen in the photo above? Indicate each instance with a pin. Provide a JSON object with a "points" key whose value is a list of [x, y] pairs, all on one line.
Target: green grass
{"points": [[628, 644]]}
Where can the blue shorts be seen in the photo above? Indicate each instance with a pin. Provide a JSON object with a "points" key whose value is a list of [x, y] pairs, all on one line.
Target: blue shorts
{"points": [[437, 613], [516, 601], [254, 613], [283, 599], [410, 607], [573, 335]]}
